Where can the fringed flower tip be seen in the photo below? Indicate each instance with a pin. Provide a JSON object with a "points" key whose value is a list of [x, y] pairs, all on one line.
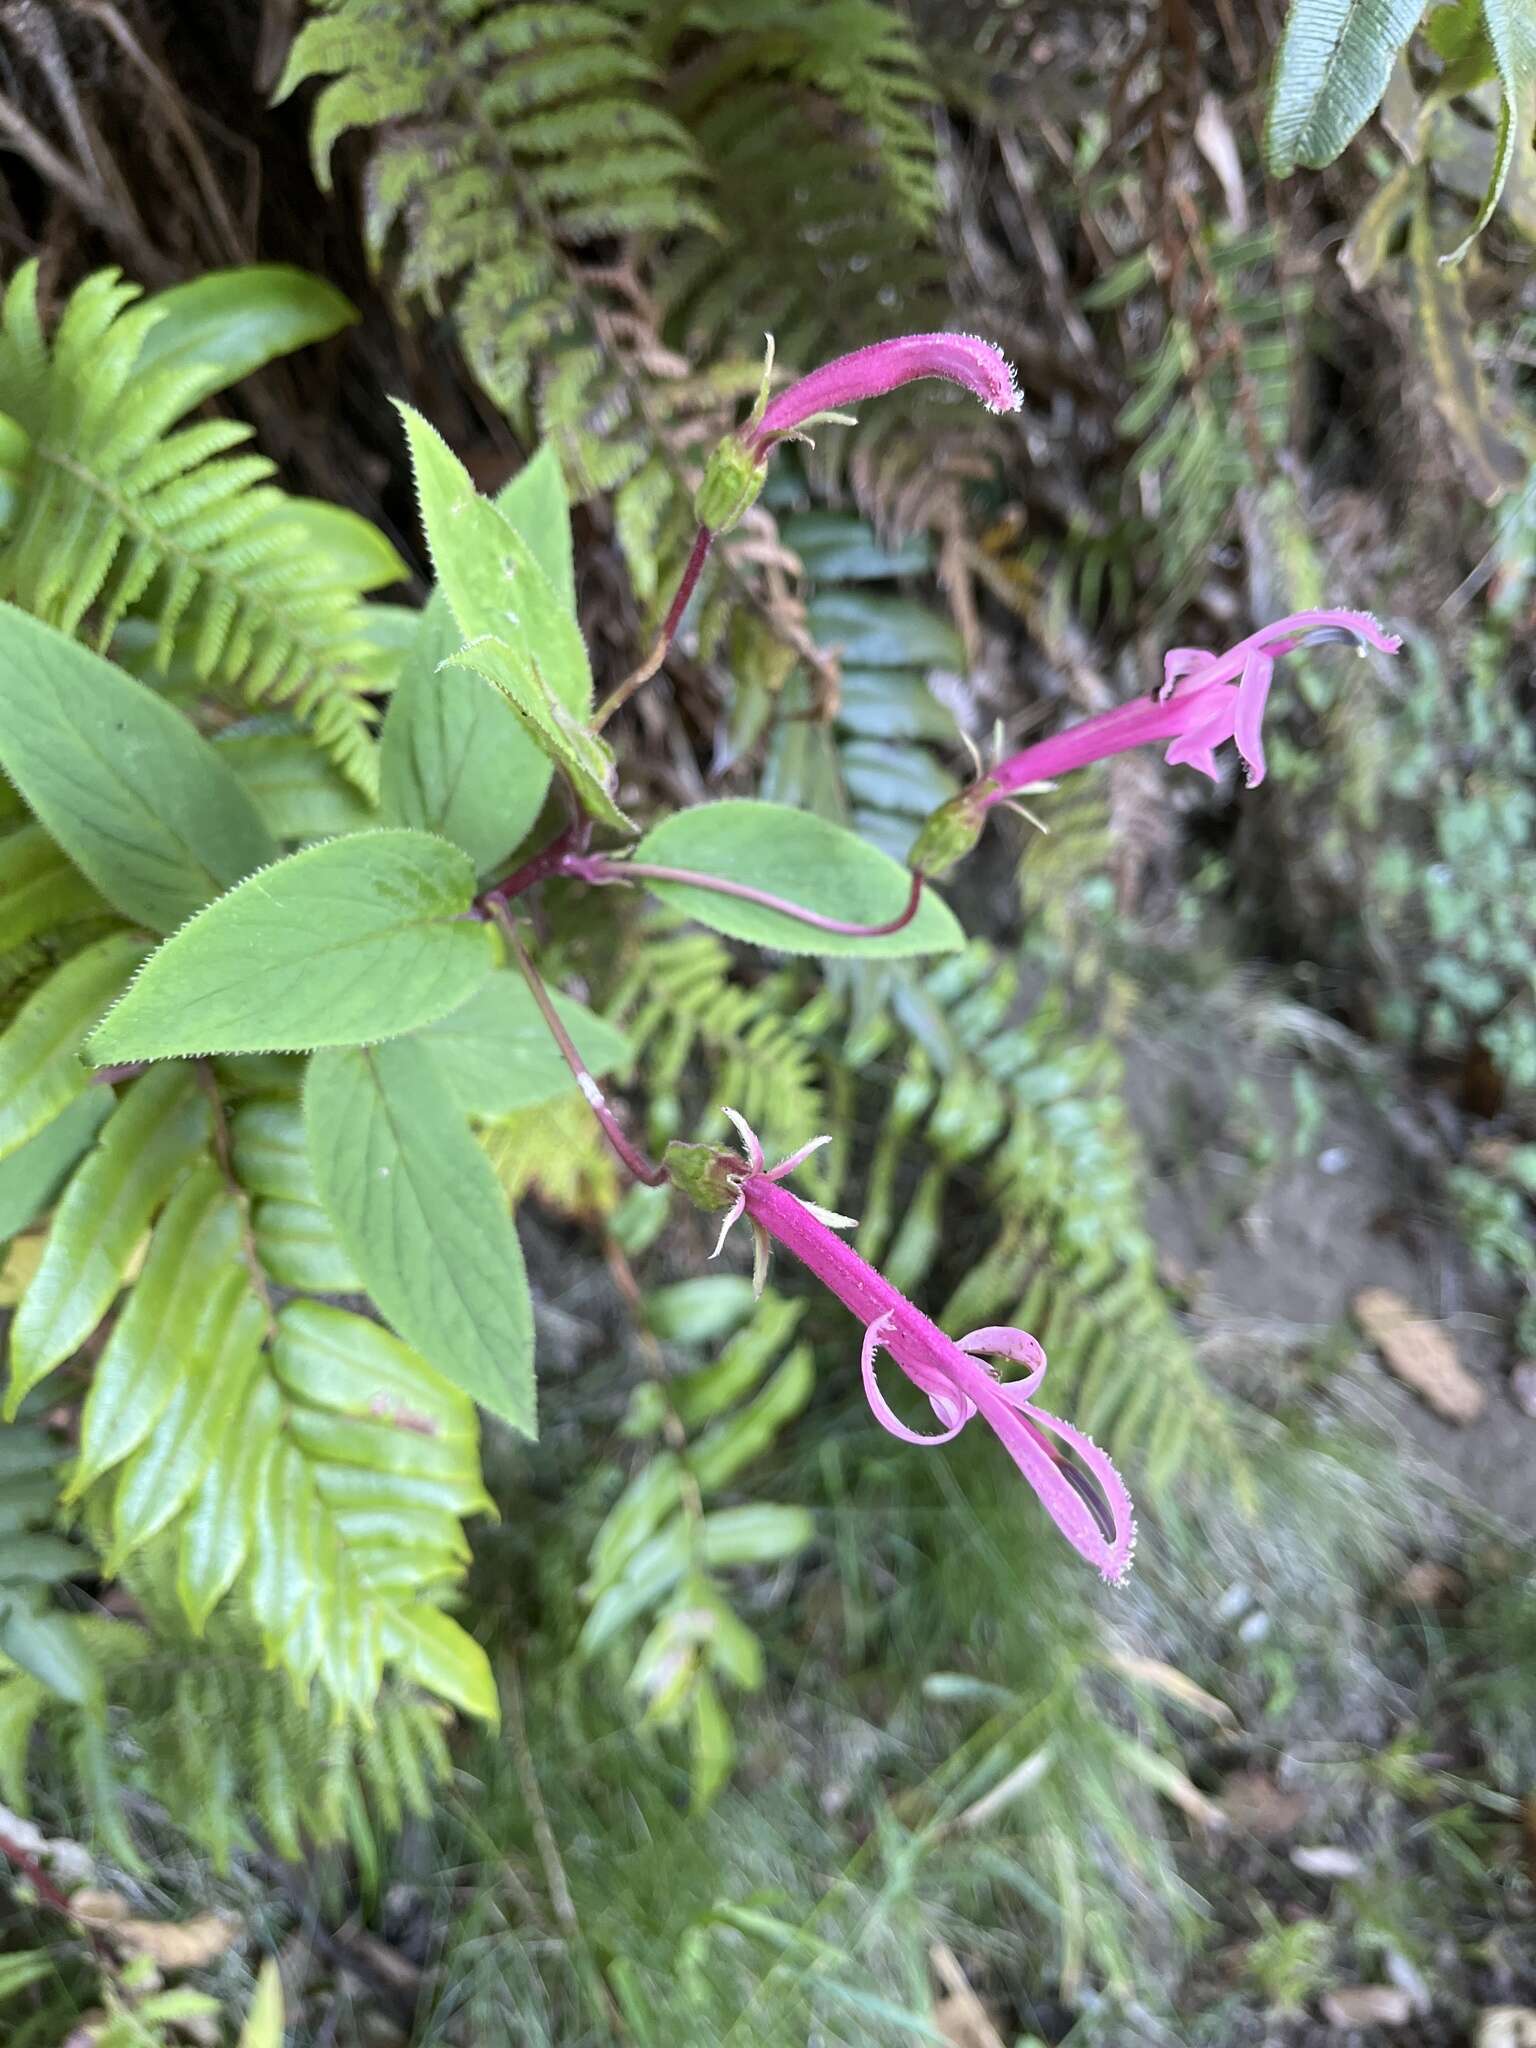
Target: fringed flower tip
{"points": [[1075, 1481]]}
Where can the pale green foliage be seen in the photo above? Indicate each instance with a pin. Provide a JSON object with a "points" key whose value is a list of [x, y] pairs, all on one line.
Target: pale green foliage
{"points": [[123, 514], [306, 1472], [658, 1558], [219, 1742]]}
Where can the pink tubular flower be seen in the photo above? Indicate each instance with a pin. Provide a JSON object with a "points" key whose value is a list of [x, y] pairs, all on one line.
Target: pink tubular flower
{"points": [[1203, 701], [1075, 1481], [868, 372]]}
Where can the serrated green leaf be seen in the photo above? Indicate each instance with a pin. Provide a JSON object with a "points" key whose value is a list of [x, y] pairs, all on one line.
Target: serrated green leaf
{"points": [[41, 1069], [40, 890], [227, 323], [148, 1142], [489, 574], [352, 940], [299, 794], [806, 861], [585, 760], [534, 501], [1334, 62], [192, 1276], [142, 805], [33, 1174], [416, 1205], [454, 758], [496, 1054]]}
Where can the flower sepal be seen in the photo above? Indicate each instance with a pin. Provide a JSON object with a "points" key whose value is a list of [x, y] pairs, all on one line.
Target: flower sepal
{"points": [[733, 479], [951, 832], [706, 1174]]}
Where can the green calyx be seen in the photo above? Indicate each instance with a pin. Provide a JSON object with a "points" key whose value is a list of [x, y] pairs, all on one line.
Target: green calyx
{"points": [[732, 480], [948, 834], [703, 1173]]}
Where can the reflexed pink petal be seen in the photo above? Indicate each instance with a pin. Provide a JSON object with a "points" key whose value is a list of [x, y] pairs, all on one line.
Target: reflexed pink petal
{"points": [[887, 1417], [1184, 661], [1084, 1496], [1017, 1346], [1248, 719]]}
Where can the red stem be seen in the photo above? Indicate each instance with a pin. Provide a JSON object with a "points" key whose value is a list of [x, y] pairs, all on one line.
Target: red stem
{"points": [[629, 870], [597, 1102], [692, 570], [34, 1873]]}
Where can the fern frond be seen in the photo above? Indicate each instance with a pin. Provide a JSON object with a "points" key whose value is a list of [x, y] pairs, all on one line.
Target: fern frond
{"points": [[306, 1473], [122, 515]]}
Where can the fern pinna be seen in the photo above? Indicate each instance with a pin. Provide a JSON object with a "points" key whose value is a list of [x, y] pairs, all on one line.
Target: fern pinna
{"points": [[116, 516]]}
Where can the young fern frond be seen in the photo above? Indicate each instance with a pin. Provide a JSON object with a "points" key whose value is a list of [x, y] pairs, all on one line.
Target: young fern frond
{"points": [[124, 514]]}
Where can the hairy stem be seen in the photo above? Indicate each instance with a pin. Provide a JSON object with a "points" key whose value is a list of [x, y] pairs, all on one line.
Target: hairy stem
{"points": [[664, 639], [597, 1102]]}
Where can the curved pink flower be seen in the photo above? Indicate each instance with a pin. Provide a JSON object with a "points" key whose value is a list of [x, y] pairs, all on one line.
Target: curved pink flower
{"points": [[1204, 700], [1075, 1481], [868, 372]]}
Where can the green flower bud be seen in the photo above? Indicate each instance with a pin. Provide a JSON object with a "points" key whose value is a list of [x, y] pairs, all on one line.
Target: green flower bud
{"points": [[731, 484], [948, 834], [700, 1172]]}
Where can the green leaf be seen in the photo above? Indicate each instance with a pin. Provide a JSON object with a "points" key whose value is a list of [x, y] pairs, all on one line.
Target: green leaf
{"points": [[875, 631], [354, 550], [29, 1967], [353, 940], [142, 805], [227, 323], [49, 1647], [585, 760], [207, 1407], [1335, 59], [32, 1175], [171, 1325], [701, 1310], [149, 1141], [496, 1054], [488, 572], [803, 859], [299, 794], [264, 2019], [431, 1648], [535, 503], [41, 1070], [39, 889], [416, 1205], [1511, 29], [454, 758]]}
